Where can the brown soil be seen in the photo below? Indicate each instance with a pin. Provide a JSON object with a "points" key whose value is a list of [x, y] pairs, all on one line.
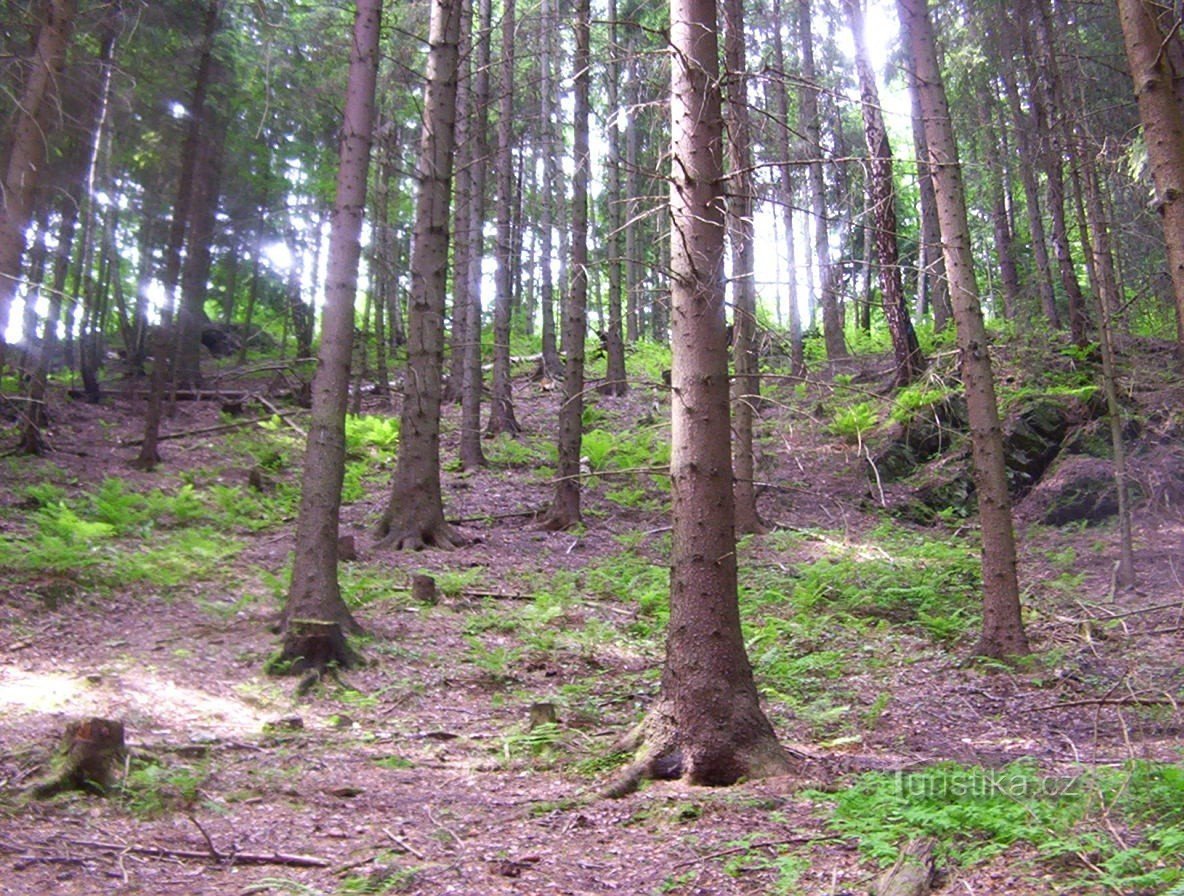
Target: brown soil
{"points": [[417, 773]]}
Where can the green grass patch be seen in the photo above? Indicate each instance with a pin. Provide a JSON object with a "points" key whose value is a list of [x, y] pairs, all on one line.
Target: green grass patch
{"points": [[1121, 829]]}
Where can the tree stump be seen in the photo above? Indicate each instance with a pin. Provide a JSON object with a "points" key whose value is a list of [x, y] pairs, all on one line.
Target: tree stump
{"points": [[423, 589], [86, 759], [543, 714], [913, 873]]}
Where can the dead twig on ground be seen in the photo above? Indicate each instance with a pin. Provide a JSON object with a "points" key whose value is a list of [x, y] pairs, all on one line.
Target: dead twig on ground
{"points": [[233, 858], [207, 430]]}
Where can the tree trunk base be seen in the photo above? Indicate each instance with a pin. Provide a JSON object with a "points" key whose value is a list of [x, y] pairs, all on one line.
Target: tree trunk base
{"points": [[90, 752], [662, 753], [312, 645], [414, 537]]}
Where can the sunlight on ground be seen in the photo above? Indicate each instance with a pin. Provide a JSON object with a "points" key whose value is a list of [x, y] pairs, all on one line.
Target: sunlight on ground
{"points": [[146, 701]]}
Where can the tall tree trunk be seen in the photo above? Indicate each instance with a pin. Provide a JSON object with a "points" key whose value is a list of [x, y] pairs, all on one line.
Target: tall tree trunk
{"points": [[1162, 118], [1050, 117], [828, 280], [462, 214], [707, 725], [1003, 631], [501, 400], [933, 294], [414, 518], [28, 150], [550, 108], [613, 335], [633, 263], [909, 362], [164, 339], [199, 237], [1000, 218], [1024, 128], [786, 196], [471, 454], [565, 506], [314, 595], [1107, 300], [37, 417], [80, 204], [747, 385]]}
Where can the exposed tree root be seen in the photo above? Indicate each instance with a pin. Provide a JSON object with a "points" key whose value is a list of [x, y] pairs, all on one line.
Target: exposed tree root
{"points": [[312, 645], [415, 537], [662, 753]]}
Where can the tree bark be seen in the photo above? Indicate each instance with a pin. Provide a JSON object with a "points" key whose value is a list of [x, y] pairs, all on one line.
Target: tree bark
{"points": [[414, 518], [828, 281], [552, 161], [933, 294], [909, 361], [1050, 121], [315, 616], [797, 357], [501, 400], [1163, 133], [747, 384], [565, 506], [28, 150], [1023, 126], [1003, 631], [164, 340], [616, 380], [707, 726], [471, 454]]}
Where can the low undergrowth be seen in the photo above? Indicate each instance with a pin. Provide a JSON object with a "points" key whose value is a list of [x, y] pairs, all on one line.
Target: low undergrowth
{"points": [[1120, 829]]}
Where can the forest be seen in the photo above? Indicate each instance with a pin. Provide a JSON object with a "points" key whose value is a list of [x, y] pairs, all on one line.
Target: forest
{"points": [[491, 446]]}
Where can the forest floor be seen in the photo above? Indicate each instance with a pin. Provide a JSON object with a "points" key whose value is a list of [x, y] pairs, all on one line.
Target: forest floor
{"points": [[419, 772]]}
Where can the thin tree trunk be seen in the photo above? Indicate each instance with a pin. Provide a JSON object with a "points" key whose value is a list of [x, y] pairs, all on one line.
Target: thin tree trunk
{"points": [[1000, 219], [1003, 631], [1051, 105], [1023, 126], [501, 401], [414, 518], [200, 233], [1107, 299], [747, 385], [461, 211], [314, 595], [471, 453], [163, 341], [909, 361], [786, 196], [933, 294], [549, 110], [633, 262], [28, 150], [565, 505], [1163, 133], [828, 280], [612, 336]]}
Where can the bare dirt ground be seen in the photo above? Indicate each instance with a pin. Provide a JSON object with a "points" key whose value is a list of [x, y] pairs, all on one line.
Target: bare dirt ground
{"points": [[418, 772]]}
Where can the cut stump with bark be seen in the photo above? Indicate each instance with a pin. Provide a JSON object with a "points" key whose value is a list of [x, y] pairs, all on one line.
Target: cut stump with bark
{"points": [[90, 752], [423, 589], [912, 875]]}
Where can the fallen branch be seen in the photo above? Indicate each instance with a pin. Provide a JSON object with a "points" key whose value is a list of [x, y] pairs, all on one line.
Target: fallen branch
{"points": [[763, 844], [235, 858], [277, 412], [1108, 701], [206, 430]]}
